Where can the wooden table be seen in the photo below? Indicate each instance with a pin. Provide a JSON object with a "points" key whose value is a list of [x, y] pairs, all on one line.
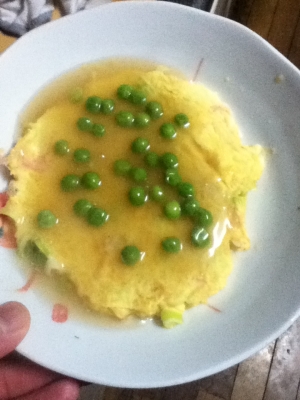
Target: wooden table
{"points": [[273, 373], [277, 21]]}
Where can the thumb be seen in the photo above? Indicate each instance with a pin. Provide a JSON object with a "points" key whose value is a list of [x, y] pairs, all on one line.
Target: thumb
{"points": [[14, 324]]}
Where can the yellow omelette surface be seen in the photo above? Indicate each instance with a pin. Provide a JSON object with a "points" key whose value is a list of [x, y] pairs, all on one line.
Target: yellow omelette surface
{"points": [[211, 157]]}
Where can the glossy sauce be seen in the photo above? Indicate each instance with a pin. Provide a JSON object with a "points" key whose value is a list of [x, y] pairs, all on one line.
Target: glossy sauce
{"points": [[90, 256]]}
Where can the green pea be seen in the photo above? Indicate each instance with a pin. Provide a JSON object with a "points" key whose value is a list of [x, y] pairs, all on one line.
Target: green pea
{"points": [[152, 159], [138, 174], [190, 206], [125, 119], [93, 104], [91, 180], [82, 155], [98, 130], [124, 91], [172, 210], [186, 189], [137, 97], [169, 160], [61, 147], [97, 216], [172, 176], [157, 193], [82, 207], [137, 196], [131, 255], [122, 167], [142, 120], [172, 245], [76, 95], [200, 237], [168, 131], [46, 219], [140, 145], [182, 120], [84, 124], [107, 106], [154, 109], [70, 182], [203, 217]]}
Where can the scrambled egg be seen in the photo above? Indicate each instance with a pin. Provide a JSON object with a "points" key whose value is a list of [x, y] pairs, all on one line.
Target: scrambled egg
{"points": [[211, 157]]}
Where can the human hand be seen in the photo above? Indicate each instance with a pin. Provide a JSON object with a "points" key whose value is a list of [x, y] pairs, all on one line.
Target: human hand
{"points": [[21, 379]]}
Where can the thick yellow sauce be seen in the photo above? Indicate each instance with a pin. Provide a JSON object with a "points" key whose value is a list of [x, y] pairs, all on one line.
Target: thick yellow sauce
{"points": [[90, 256]]}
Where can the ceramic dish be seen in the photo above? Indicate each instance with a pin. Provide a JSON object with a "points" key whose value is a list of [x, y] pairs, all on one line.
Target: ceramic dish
{"points": [[262, 297]]}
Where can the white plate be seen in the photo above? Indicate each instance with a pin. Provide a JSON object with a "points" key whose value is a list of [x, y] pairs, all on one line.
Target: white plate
{"points": [[262, 298]]}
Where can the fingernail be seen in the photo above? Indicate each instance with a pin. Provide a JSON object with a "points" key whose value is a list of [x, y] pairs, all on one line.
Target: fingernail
{"points": [[14, 317]]}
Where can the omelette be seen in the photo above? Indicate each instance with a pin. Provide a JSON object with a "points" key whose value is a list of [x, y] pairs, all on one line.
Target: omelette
{"points": [[133, 186]]}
